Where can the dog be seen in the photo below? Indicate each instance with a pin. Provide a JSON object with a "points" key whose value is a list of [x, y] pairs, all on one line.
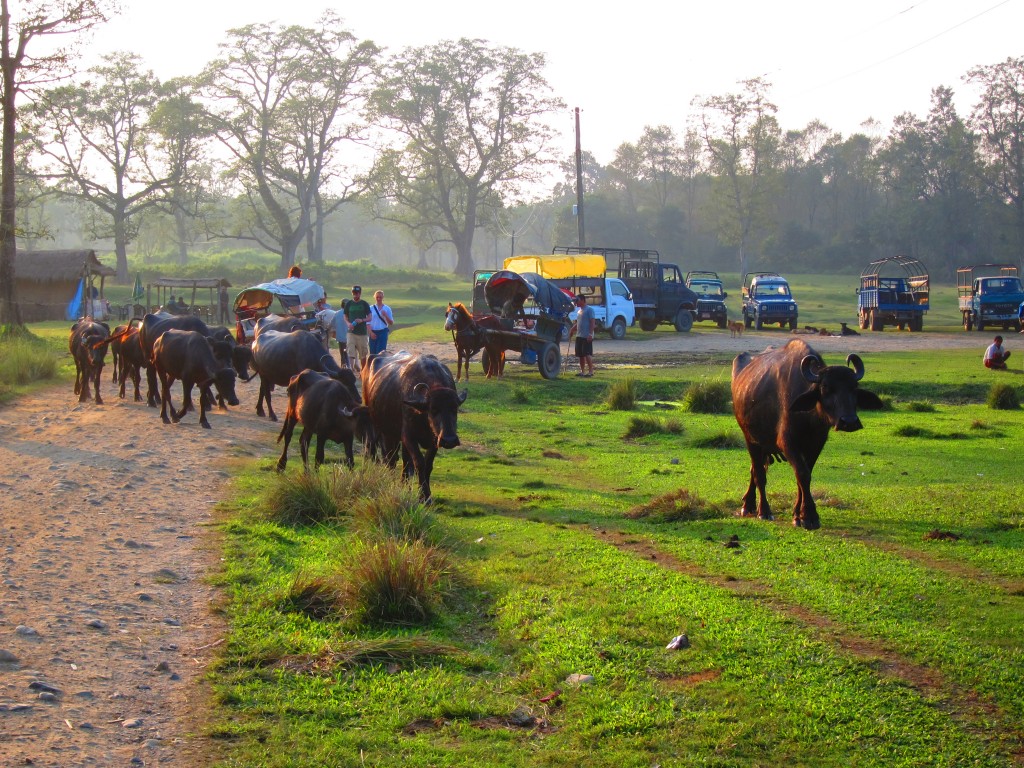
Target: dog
{"points": [[735, 328]]}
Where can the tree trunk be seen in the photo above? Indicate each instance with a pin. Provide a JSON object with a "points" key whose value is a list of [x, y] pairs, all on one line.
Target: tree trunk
{"points": [[464, 248], [181, 229], [10, 313], [121, 247]]}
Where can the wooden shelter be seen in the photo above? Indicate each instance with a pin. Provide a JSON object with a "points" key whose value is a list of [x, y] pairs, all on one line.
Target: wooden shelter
{"points": [[189, 290], [46, 283]]}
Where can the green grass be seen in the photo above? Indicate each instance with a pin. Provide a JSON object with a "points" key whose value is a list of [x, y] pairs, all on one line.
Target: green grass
{"points": [[889, 637]]}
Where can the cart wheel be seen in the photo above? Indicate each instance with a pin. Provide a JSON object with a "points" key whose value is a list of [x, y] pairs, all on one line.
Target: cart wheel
{"points": [[485, 361], [549, 361]]}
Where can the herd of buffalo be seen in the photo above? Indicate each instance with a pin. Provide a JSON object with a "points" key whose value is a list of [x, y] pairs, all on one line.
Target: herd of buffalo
{"points": [[786, 400]]}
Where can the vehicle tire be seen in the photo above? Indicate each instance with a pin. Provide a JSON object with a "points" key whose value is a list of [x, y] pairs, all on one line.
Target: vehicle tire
{"points": [[876, 321], [901, 326], [721, 323], [757, 323], [684, 320], [1017, 326], [648, 325], [618, 329], [549, 361], [967, 321], [862, 319], [747, 321], [979, 325], [917, 324], [792, 324]]}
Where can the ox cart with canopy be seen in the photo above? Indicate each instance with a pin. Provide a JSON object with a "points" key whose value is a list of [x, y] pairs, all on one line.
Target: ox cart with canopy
{"points": [[290, 296], [534, 334]]}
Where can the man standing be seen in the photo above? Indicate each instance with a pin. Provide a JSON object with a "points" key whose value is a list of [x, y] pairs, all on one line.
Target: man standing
{"points": [[357, 315], [583, 327], [995, 355], [381, 318]]}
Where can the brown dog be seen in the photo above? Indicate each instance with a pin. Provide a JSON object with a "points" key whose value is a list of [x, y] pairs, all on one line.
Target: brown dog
{"points": [[735, 328]]}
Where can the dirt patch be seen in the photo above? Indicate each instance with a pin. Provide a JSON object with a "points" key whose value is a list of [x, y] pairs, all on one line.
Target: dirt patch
{"points": [[105, 611]]}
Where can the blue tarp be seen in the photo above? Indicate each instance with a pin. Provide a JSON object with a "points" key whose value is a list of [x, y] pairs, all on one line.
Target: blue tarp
{"points": [[74, 310], [506, 291]]}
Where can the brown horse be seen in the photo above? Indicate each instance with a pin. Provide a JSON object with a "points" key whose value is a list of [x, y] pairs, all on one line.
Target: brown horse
{"points": [[471, 335]]}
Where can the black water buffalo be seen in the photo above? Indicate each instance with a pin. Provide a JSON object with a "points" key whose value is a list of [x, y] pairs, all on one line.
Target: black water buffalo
{"points": [[115, 352], [153, 325], [282, 323], [186, 355], [414, 408], [325, 408], [786, 401], [239, 355], [277, 356], [88, 345]]}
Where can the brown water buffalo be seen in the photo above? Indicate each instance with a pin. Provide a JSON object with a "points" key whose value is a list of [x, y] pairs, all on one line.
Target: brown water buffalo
{"points": [[277, 356], [153, 325], [325, 408], [414, 408], [88, 345], [186, 355], [786, 401], [132, 359]]}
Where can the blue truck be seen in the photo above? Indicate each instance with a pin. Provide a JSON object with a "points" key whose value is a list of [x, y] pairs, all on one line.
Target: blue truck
{"points": [[900, 300], [990, 296], [767, 300]]}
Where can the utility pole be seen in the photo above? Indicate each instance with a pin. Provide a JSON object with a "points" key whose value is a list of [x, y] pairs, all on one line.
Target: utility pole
{"points": [[581, 238]]}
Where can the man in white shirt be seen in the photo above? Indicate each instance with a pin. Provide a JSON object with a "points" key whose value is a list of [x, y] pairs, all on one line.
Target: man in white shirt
{"points": [[995, 355]]}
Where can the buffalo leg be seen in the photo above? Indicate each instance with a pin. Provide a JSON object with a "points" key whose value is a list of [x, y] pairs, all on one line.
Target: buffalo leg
{"points": [[96, 384], [205, 402], [304, 439], [755, 497], [805, 512], [286, 433], [321, 445], [151, 382], [350, 459], [165, 398], [186, 394]]}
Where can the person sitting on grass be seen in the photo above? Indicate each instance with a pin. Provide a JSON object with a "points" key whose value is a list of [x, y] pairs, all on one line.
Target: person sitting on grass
{"points": [[995, 355]]}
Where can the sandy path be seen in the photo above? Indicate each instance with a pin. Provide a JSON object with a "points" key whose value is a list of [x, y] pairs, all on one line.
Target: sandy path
{"points": [[105, 544]]}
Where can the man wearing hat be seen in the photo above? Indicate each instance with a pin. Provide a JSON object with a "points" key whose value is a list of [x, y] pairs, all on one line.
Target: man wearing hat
{"points": [[357, 315], [583, 327]]}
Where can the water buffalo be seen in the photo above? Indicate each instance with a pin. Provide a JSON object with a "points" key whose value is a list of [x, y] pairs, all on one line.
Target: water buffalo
{"points": [[88, 345], [186, 355], [153, 325], [414, 408], [786, 401], [277, 356], [132, 360], [325, 408], [238, 355]]}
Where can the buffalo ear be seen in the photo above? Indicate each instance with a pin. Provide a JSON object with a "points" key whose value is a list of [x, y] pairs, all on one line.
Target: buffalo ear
{"points": [[869, 401], [807, 401], [463, 395]]}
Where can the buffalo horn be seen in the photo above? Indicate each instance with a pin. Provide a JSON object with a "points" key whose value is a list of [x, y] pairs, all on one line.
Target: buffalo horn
{"points": [[805, 368], [858, 365]]}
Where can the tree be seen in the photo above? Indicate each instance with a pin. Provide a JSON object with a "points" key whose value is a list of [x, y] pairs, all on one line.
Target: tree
{"points": [[998, 117], [283, 101], [99, 143], [742, 140], [471, 122], [20, 73]]}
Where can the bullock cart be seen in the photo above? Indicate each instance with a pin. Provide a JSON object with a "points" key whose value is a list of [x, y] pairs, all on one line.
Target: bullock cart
{"points": [[535, 330], [290, 296]]}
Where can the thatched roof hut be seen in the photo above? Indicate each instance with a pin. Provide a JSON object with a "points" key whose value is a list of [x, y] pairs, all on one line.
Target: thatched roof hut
{"points": [[46, 282]]}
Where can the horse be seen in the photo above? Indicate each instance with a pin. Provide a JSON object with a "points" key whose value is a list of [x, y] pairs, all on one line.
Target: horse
{"points": [[471, 335]]}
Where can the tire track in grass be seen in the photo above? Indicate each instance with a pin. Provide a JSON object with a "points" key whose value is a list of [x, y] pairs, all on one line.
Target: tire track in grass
{"points": [[962, 704]]}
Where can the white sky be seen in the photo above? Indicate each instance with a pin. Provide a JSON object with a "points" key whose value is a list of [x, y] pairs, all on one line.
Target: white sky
{"points": [[641, 62]]}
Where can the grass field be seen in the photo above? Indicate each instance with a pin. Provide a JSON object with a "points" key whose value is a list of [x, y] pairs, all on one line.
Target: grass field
{"points": [[889, 637]]}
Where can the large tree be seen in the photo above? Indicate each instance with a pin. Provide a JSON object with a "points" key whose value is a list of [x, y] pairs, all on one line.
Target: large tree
{"points": [[284, 100], [742, 139], [471, 118], [19, 73], [998, 118], [95, 140]]}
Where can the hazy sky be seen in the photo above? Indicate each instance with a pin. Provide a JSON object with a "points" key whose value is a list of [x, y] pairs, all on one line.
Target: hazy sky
{"points": [[631, 64]]}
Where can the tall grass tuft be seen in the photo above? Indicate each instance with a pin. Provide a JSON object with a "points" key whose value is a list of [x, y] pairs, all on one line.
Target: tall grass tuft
{"points": [[395, 582], [646, 424], [1003, 397], [680, 505], [921, 406], [24, 359], [397, 513], [708, 397], [622, 395], [368, 480], [306, 498], [721, 440]]}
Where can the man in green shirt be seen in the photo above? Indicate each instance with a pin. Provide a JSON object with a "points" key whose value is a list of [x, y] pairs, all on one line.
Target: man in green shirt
{"points": [[357, 315]]}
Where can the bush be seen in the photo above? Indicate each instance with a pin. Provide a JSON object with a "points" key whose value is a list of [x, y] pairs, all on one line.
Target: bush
{"points": [[24, 359], [708, 397], [393, 582], [622, 395], [306, 498], [920, 406], [1003, 397]]}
